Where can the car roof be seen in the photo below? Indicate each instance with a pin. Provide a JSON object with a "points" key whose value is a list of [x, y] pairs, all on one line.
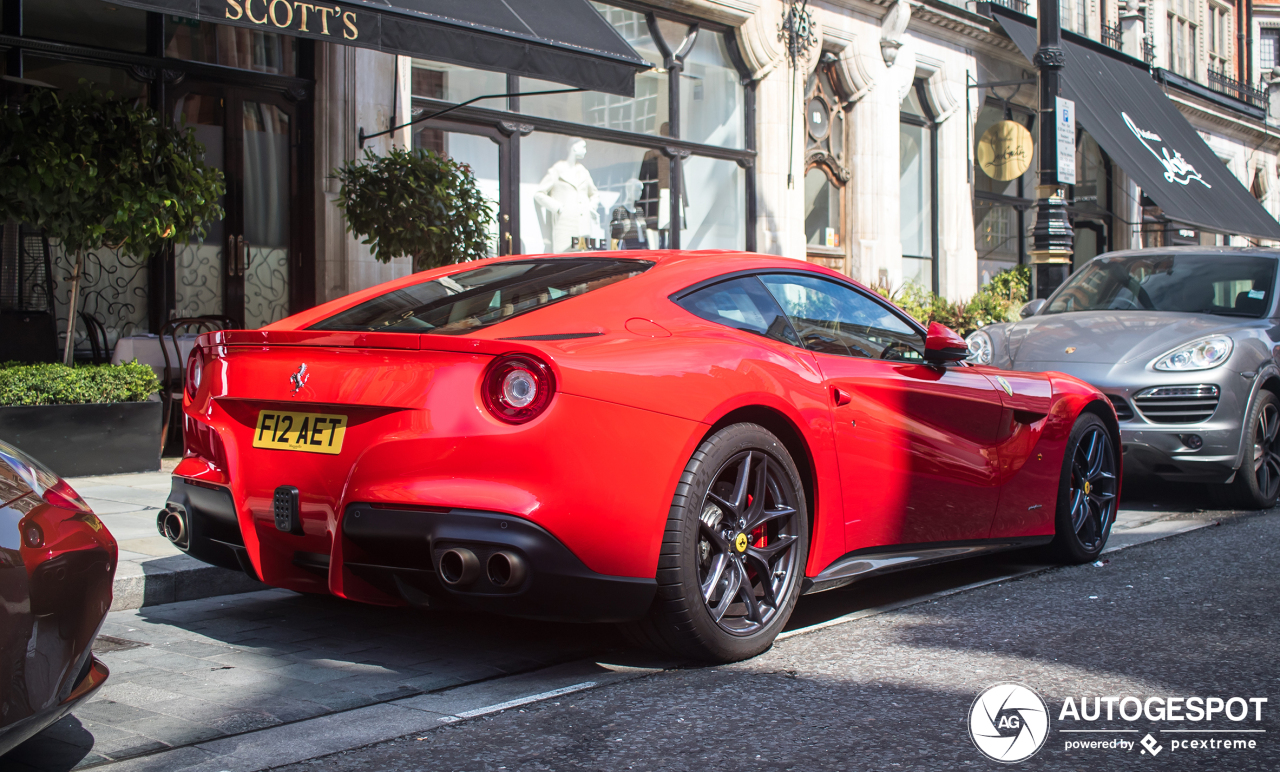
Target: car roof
{"points": [[1194, 250]]}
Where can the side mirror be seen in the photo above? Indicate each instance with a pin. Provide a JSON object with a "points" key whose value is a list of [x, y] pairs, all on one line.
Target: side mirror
{"points": [[943, 345], [1032, 308]]}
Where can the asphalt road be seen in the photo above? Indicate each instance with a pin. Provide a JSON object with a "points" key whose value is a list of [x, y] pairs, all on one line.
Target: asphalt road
{"points": [[1194, 615]]}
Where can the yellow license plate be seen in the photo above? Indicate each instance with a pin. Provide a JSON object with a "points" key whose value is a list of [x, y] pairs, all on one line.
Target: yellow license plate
{"points": [[309, 432]]}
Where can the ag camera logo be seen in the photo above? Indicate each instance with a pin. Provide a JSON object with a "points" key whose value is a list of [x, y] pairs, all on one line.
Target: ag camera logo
{"points": [[1009, 723]]}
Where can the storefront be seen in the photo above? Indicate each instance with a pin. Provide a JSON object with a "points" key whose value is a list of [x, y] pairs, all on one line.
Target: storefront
{"points": [[247, 78]]}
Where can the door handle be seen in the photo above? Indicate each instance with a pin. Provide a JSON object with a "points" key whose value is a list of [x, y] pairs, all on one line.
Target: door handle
{"points": [[244, 258], [840, 397], [232, 255]]}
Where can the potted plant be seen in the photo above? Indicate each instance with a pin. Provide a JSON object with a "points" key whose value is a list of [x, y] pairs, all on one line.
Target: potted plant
{"points": [[415, 203], [90, 419], [93, 171]]}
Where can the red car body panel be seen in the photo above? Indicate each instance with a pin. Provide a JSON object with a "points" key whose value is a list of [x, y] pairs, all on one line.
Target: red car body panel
{"points": [[895, 452]]}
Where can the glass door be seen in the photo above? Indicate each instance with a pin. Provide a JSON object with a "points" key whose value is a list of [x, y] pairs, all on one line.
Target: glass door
{"points": [[242, 267]]}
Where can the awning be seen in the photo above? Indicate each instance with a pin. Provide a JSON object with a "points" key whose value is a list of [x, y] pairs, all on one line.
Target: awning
{"points": [[565, 41], [1125, 111]]}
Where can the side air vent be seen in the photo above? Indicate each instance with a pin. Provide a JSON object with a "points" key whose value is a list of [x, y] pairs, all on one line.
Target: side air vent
{"points": [[1177, 404], [1123, 411]]}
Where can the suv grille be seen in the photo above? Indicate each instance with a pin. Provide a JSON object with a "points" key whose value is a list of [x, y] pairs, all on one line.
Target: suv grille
{"points": [[1123, 411], [1177, 404]]}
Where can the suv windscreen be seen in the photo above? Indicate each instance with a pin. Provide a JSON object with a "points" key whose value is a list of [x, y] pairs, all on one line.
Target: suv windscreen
{"points": [[470, 300], [1229, 285]]}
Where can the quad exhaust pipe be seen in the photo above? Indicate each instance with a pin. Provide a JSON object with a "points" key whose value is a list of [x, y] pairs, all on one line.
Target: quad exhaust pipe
{"points": [[459, 567], [172, 524]]}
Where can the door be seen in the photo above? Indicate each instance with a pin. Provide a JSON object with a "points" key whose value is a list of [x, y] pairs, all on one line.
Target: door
{"points": [[244, 266], [915, 442]]}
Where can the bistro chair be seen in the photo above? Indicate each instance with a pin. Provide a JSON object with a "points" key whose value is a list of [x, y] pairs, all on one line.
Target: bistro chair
{"points": [[100, 350], [173, 383]]}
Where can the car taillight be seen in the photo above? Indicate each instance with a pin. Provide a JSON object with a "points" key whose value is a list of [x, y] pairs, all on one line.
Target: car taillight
{"points": [[517, 388], [195, 366], [42, 480]]}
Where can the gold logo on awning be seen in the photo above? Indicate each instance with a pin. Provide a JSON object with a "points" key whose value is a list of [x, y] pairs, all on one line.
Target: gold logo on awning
{"points": [[312, 18]]}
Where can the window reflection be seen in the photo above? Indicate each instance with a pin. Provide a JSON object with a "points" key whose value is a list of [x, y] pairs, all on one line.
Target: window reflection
{"points": [[244, 49]]}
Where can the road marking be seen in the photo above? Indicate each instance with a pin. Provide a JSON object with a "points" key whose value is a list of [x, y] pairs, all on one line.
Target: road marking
{"points": [[501, 706]]}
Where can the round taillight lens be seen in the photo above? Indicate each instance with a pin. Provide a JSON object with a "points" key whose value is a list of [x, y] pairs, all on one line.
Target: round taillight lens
{"points": [[518, 388], [195, 368]]}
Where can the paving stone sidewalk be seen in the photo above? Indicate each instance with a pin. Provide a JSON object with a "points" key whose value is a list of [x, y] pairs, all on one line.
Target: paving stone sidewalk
{"points": [[151, 570], [194, 671]]}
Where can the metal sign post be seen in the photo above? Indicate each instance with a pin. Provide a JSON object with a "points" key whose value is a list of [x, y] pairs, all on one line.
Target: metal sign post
{"points": [[1052, 239]]}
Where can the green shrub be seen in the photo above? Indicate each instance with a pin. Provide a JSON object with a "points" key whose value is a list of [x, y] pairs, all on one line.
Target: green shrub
{"points": [[57, 384], [999, 301]]}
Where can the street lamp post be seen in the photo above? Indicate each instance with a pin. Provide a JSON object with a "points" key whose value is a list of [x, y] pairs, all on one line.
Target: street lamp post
{"points": [[1052, 238]]}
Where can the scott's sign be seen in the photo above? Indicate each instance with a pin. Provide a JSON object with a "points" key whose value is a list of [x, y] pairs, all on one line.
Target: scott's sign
{"points": [[313, 19]]}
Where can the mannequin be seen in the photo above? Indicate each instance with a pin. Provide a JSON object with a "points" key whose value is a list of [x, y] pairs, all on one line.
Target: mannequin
{"points": [[568, 195], [627, 222]]}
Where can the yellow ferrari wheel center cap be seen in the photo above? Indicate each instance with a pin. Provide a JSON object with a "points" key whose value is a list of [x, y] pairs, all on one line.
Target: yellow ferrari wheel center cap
{"points": [[1087, 487], [740, 543]]}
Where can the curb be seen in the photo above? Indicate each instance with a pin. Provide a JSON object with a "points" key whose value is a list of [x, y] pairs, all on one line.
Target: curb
{"points": [[173, 579]]}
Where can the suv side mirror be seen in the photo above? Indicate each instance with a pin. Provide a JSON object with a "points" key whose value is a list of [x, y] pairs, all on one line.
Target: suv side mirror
{"points": [[1032, 308], [941, 345]]}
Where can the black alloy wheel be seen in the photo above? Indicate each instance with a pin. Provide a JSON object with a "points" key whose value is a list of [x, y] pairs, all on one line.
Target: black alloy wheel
{"points": [[734, 550], [1087, 498], [746, 549], [1257, 482]]}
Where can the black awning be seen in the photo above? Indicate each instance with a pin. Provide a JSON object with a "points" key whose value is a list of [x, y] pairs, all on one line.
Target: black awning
{"points": [[565, 41], [1124, 110]]}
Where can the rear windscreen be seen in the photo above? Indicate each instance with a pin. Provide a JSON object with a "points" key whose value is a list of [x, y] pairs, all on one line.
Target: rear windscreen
{"points": [[469, 300]]}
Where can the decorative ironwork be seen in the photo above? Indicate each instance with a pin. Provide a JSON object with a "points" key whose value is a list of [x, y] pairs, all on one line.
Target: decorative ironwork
{"points": [[1225, 84], [796, 31], [511, 127], [1148, 51], [824, 119], [113, 290], [297, 93], [1018, 5], [1050, 57], [1111, 35]]}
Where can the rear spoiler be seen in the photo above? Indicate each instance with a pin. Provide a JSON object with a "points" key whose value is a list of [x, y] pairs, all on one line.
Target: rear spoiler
{"points": [[404, 341]]}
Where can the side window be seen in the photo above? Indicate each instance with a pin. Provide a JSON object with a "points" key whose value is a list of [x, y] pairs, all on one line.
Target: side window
{"points": [[742, 304], [834, 319]]}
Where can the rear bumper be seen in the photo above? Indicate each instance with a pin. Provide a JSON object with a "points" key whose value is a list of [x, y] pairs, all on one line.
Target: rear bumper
{"points": [[398, 552], [94, 676], [390, 556]]}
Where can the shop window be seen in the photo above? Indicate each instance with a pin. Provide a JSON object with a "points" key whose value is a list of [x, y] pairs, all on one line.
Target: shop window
{"points": [[66, 76], [1090, 191], [243, 49], [480, 153], [822, 210], [451, 83], [917, 152], [715, 218], [711, 94], [87, 23], [578, 195], [648, 112], [996, 238]]}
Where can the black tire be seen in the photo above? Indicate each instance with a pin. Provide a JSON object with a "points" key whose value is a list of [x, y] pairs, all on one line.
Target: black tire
{"points": [[1087, 493], [705, 546], [1257, 481]]}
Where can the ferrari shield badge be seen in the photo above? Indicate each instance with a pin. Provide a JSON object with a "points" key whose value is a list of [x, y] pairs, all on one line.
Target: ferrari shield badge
{"points": [[1005, 385]]}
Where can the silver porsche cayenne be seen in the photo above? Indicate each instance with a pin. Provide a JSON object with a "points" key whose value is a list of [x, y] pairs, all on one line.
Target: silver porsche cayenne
{"points": [[1184, 341]]}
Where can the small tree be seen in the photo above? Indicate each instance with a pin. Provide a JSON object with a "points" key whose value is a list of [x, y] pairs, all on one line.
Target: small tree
{"points": [[415, 203], [94, 171]]}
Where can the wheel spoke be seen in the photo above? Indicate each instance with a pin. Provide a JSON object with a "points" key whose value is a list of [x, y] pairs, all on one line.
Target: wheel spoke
{"points": [[765, 575], [740, 486], [771, 551], [1077, 502], [718, 564], [724, 505], [768, 515], [757, 493], [748, 594], [736, 578], [712, 535], [1096, 454], [1271, 424]]}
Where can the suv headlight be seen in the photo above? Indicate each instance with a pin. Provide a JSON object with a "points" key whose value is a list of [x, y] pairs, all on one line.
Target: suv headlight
{"points": [[980, 349], [1203, 354]]}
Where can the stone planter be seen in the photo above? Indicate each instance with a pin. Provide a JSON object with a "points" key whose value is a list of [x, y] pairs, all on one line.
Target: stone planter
{"points": [[77, 440]]}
